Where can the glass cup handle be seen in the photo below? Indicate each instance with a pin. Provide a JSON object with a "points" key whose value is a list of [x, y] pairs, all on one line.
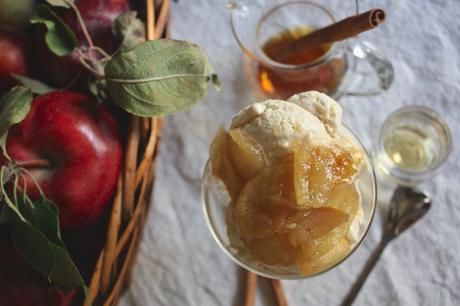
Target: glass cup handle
{"points": [[381, 69]]}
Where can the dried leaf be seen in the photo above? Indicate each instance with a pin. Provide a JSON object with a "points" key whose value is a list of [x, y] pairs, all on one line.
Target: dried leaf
{"points": [[159, 77], [129, 29], [36, 86]]}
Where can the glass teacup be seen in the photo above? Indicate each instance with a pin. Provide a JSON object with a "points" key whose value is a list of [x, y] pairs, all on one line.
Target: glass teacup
{"points": [[352, 67], [414, 142]]}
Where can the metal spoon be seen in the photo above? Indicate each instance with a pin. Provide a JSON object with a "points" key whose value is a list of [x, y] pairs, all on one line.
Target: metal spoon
{"points": [[406, 207]]}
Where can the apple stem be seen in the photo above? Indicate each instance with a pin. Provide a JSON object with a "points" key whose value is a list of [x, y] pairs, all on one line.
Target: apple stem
{"points": [[102, 52], [89, 57], [34, 163], [82, 24], [88, 66], [82, 54]]}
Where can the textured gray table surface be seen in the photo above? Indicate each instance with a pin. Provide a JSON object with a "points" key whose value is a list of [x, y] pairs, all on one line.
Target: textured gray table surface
{"points": [[180, 264]]}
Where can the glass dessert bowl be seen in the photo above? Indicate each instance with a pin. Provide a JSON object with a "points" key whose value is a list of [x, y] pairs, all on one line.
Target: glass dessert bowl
{"points": [[288, 191]]}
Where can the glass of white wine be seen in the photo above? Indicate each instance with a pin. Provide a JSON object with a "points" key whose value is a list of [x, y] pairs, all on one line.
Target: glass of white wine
{"points": [[413, 143]]}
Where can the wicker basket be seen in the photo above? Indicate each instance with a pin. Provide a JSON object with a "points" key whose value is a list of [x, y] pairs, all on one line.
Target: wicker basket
{"points": [[132, 199]]}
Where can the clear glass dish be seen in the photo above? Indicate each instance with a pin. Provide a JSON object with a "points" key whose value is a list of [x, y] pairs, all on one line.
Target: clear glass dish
{"points": [[217, 210]]}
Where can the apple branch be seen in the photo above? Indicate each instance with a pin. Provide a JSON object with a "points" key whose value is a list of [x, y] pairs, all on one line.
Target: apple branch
{"points": [[32, 178], [89, 56], [15, 188], [8, 172], [24, 191], [82, 23], [101, 51], [4, 194], [88, 66]]}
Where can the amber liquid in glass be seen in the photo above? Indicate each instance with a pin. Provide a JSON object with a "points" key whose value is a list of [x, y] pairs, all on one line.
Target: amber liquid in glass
{"points": [[283, 83]]}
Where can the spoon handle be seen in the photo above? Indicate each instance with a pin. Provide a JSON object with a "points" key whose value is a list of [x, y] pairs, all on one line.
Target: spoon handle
{"points": [[349, 299]]}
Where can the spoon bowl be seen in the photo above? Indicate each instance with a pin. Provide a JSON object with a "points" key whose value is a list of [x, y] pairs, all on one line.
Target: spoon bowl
{"points": [[407, 206]]}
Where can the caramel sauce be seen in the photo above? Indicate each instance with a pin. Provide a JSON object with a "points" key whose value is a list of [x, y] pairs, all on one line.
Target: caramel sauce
{"points": [[283, 83]]}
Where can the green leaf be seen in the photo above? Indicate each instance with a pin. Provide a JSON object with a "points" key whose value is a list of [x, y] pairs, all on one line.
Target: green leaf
{"points": [[59, 38], [32, 245], [36, 86], [35, 233], [61, 3], [129, 29], [3, 145], [3, 213], [64, 272], [43, 215], [5, 176], [159, 77], [52, 261], [97, 88], [14, 107]]}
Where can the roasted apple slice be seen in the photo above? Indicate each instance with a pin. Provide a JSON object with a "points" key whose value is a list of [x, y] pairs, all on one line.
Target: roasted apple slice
{"points": [[343, 167], [344, 196], [312, 266], [274, 250], [317, 171], [246, 154], [266, 202], [320, 246], [222, 166], [309, 225]]}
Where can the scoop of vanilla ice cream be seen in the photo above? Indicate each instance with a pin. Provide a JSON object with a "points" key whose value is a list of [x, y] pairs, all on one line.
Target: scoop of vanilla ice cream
{"points": [[276, 125], [322, 106]]}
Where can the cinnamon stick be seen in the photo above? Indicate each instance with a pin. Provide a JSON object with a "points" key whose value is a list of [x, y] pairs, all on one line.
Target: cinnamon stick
{"points": [[341, 30], [251, 284], [279, 292]]}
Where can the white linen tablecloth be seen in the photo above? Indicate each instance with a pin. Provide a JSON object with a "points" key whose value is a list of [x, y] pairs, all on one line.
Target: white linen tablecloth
{"points": [[180, 264]]}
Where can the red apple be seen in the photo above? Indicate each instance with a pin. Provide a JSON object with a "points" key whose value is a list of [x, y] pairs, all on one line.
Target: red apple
{"points": [[81, 142], [10, 259], [28, 288], [13, 57], [22, 286], [98, 16], [85, 245]]}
